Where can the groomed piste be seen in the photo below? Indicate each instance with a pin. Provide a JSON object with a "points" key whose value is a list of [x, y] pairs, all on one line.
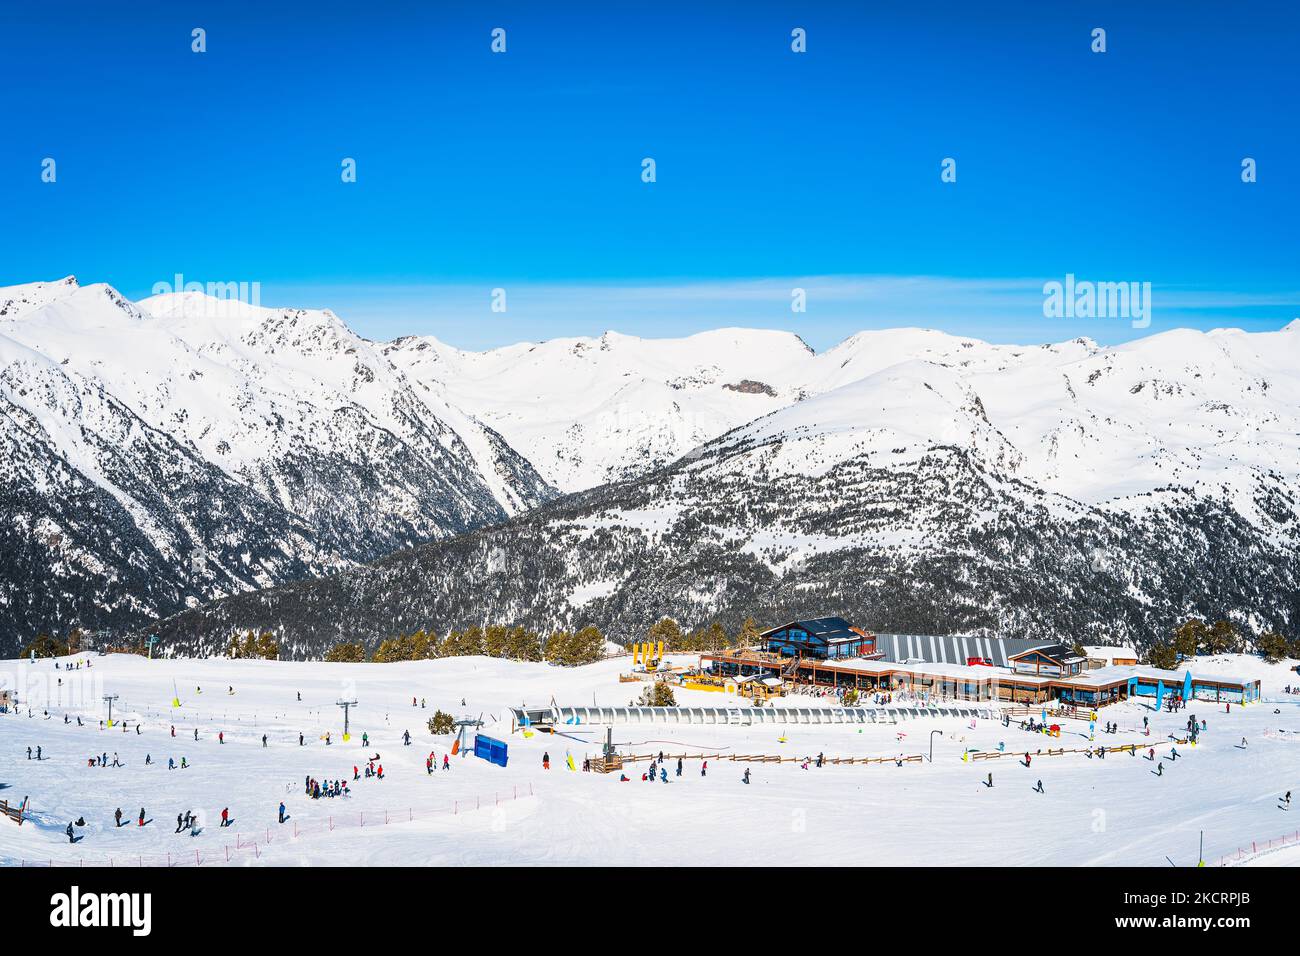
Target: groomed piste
{"points": [[917, 790]]}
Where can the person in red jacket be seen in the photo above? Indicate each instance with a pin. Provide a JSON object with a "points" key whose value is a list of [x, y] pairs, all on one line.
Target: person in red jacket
{"points": [[225, 816]]}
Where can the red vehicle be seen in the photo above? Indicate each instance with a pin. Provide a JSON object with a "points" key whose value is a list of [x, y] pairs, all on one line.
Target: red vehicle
{"points": [[978, 662]]}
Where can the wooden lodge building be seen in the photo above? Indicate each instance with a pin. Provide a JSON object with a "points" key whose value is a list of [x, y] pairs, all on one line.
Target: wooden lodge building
{"points": [[828, 652]]}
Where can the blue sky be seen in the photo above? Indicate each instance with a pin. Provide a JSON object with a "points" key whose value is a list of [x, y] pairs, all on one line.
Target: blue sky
{"points": [[775, 169]]}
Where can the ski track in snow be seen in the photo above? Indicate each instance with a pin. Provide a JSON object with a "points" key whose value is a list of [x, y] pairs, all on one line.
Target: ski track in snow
{"points": [[1093, 812]]}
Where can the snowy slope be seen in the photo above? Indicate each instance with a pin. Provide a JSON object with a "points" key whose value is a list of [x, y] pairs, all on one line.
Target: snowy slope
{"points": [[589, 411], [312, 451], [934, 484], [1091, 812]]}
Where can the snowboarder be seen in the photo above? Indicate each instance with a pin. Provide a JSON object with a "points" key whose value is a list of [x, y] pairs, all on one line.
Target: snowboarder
{"points": [[989, 782], [117, 817], [745, 778], [225, 816], [71, 839], [282, 802], [180, 822]]}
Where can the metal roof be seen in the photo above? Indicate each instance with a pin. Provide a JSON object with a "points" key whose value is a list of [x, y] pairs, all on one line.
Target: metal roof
{"points": [[826, 627], [951, 648]]}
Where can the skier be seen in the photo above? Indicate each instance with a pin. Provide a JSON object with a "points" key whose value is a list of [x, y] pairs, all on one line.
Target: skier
{"points": [[356, 775], [196, 733], [180, 822], [1160, 769], [428, 765], [446, 762], [546, 761], [299, 738], [989, 784], [365, 740], [173, 730], [221, 736], [1027, 758], [1039, 787], [263, 740], [141, 823], [679, 766], [117, 817], [406, 736], [704, 769], [745, 778]]}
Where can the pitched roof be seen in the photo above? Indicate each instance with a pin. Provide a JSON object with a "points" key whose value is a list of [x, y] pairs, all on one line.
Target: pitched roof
{"points": [[950, 648], [830, 628], [1057, 652]]}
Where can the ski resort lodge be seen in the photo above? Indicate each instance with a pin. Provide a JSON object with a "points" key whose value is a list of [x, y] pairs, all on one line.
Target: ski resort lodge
{"points": [[829, 652]]}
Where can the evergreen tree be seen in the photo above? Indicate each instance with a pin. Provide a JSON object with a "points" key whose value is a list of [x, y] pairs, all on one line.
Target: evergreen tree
{"points": [[1190, 637], [496, 640], [1224, 637], [45, 646], [268, 648], [587, 646], [1274, 647], [668, 631], [441, 723], [749, 635], [346, 653], [1163, 656], [557, 646]]}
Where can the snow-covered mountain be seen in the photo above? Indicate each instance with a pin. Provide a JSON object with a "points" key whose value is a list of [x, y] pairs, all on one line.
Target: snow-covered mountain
{"points": [[590, 411], [186, 447], [924, 482]]}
